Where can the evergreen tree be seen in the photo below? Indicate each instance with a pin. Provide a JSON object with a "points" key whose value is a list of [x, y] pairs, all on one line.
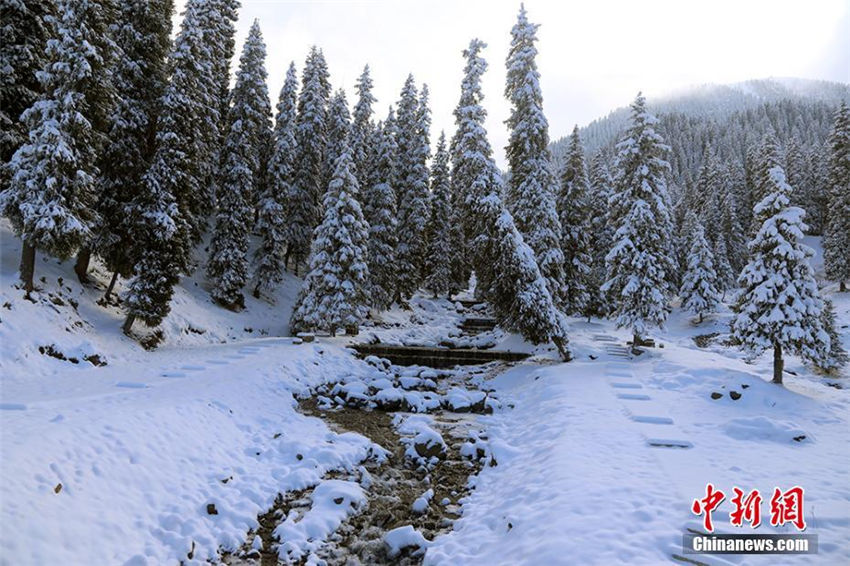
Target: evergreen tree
{"points": [[24, 32], [532, 185], [339, 126], [335, 292], [413, 122], [519, 292], [380, 213], [836, 242], [474, 174], [779, 305], [836, 357], [303, 207], [274, 232], [363, 130], [725, 273], [156, 225], [575, 213], [241, 173], [187, 131], [639, 262], [140, 78], [601, 235], [768, 157], [699, 288], [52, 191], [438, 258]]}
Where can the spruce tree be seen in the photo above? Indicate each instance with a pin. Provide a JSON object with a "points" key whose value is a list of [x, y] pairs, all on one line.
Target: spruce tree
{"points": [[438, 258], [778, 305], [272, 253], [335, 292], [24, 33], [532, 184], [836, 356], [725, 273], [52, 190], [640, 262], [575, 213], [380, 212], [303, 209], [140, 78], [339, 126], [413, 121], [836, 242], [505, 266], [156, 229], [242, 173], [699, 287], [600, 233], [363, 130]]}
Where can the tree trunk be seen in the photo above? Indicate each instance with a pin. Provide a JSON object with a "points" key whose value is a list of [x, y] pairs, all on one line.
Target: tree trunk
{"points": [[700, 317], [111, 286], [128, 323], [636, 341], [842, 287], [27, 267], [81, 268], [777, 363], [352, 330]]}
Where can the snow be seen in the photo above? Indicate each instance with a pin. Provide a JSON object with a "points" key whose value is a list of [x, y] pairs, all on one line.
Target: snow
{"points": [[404, 537], [143, 446]]}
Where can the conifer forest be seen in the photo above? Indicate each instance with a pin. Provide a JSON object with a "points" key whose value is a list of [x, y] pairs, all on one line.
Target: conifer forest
{"points": [[262, 307]]}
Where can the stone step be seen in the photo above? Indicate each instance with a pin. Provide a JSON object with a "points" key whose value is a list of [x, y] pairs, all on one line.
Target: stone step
{"points": [[436, 357]]}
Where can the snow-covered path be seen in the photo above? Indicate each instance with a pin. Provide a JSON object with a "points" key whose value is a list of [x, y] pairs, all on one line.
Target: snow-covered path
{"points": [[141, 451], [600, 460]]}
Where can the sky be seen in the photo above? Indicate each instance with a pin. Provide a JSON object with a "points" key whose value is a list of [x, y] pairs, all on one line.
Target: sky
{"points": [[594, 56]]}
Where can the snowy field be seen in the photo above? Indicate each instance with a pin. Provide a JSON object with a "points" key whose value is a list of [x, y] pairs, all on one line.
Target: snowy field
{"points": [[170, 455]]}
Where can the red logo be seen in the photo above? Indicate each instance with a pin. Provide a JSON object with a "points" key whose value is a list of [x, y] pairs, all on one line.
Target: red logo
{"points": [[785, 507]]}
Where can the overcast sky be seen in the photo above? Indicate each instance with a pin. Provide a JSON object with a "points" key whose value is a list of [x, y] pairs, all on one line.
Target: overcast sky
{"points": [[594, 55]]}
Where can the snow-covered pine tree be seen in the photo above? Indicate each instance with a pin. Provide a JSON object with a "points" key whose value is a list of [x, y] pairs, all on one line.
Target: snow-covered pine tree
{"points": [[575, 214], [836, 242], [335, 294], [379, 211], [140, 77], [241, 173], [23, 41], [52, 191], [187, 131], [836, 357], [731, 232], [532, 184], [272, 254], [303, 211], [505, 266], [639, 263], [474, 174], [600, 233], [725, 273], [156, 231], [768, 157], [438, 258], [699, 287], [217, 20], [778, 305], [413, 122], [363, 130], [339, 126]]}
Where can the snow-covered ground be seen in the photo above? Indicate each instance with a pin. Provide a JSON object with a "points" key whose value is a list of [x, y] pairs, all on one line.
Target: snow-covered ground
{"points": [[171, 454]]}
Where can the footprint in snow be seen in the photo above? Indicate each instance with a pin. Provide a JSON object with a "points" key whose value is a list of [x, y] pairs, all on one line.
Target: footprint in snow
{"points": [[12, 407], [131, 385], [633, 397], [193, 368], [619, 385], [218, 362], [652, 420], [173, 374]]}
